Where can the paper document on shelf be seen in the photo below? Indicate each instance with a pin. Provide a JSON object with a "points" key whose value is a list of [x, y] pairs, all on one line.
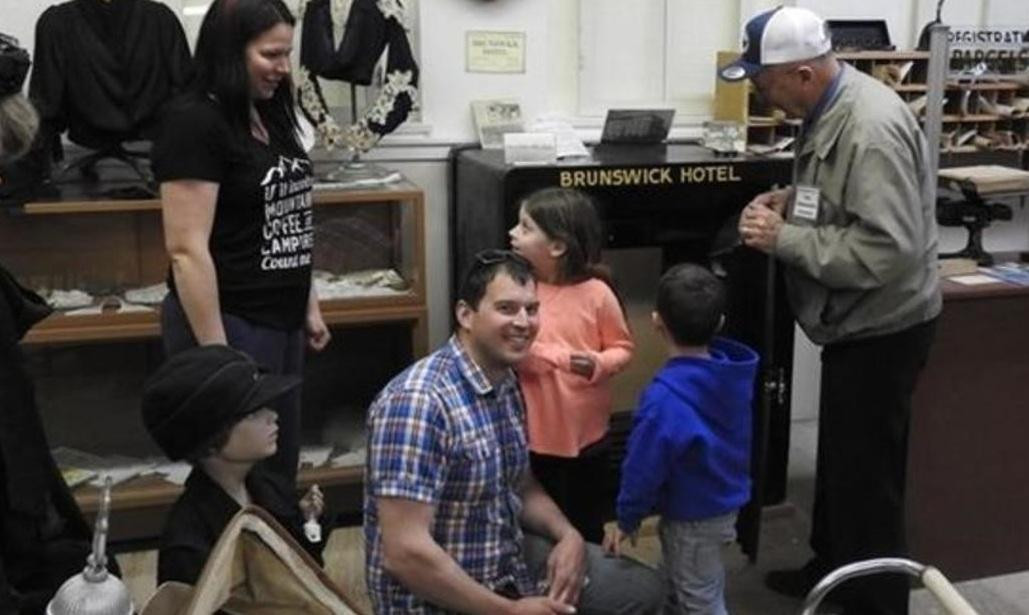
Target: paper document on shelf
{"points": [[352, 458], [120, 469], [974, 279], [569, 145], [73, 477], [315, 456], [175, 472]]}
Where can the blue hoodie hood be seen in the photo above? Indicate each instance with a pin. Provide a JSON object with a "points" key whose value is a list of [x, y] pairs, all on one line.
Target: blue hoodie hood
{"points": [[689, 452]]}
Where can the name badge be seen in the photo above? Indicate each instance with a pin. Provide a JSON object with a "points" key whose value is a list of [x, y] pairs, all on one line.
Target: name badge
{"points": [[805, 206]]}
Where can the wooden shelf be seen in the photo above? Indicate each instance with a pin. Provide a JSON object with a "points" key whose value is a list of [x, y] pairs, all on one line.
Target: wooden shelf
{"points": [[398, 191], [988, 86], [972, 117], [111, 326], [152, 491], [849, 56], [90, 207]]}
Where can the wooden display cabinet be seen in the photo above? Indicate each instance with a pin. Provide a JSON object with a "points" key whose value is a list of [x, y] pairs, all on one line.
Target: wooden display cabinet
{"points": [[105, 247], [990, 113]]}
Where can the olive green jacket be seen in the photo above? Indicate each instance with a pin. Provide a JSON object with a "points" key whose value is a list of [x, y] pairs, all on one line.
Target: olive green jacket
{"points": [[866, 265]]}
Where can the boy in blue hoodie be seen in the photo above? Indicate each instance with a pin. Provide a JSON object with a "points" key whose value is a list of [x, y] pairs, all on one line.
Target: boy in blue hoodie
{"points": [[688, 458]]}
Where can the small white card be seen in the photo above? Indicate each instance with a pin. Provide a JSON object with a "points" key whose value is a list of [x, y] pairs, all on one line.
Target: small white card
{"points": [[530, 148], [805, 206], [974, 279]]}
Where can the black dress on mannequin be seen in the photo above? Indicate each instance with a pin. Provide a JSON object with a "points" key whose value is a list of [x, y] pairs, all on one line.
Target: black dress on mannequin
{"points": [[102, 71], [372, 28]]}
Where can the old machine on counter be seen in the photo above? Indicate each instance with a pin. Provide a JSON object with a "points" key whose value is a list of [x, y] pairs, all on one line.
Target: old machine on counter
{"points": [[970, 200], [661, 205]]}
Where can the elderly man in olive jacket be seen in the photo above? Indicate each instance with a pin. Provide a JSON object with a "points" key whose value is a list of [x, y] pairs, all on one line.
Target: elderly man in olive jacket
{"points": [[857, 234]]}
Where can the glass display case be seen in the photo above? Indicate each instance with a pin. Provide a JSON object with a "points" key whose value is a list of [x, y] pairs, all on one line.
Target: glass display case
{"points": [[102, 265]]}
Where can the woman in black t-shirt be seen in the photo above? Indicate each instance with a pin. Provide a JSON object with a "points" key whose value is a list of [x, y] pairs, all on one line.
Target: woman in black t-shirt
{"points": [[236, 203]]}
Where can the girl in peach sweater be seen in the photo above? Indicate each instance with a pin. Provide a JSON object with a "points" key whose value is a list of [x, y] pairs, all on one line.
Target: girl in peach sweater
{"points": [[583, 340]]}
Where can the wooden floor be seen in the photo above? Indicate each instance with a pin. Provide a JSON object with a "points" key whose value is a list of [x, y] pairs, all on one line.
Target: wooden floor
{"points": [[344, 563], [783, 544]]}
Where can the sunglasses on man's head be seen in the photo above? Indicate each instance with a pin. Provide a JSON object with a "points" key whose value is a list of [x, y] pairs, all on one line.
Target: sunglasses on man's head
{"points": [[493, 257]]}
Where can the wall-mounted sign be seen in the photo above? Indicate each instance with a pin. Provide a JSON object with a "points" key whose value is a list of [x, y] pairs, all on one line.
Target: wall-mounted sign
{"points": [[494, 52], [1001, 49]]}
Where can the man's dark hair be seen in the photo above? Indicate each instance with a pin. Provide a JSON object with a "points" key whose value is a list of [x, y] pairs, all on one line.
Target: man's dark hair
{"points": [[485, 266], [690, 301], [221, 69]]}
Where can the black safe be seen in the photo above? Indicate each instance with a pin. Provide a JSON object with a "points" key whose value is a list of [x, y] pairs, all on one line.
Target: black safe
{"points": [[660, 205]]}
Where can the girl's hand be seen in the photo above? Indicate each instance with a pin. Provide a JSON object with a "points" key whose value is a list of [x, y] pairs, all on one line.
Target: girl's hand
{"points": [[583, 364], [313, 503]]}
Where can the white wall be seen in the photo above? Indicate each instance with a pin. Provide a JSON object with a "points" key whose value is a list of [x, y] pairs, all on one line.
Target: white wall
{"points": [[548, 84], [551, 84]]}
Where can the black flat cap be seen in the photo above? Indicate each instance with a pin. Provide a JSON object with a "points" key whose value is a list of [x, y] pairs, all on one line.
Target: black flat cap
{"points": [[201, 391]]}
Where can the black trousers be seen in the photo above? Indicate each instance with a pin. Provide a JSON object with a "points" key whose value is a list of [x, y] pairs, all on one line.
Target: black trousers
{"points": [[864, 416], [578, 486]]}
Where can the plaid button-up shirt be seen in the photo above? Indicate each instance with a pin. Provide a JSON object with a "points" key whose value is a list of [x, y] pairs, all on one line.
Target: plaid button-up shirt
{"points": [[442, 434]]}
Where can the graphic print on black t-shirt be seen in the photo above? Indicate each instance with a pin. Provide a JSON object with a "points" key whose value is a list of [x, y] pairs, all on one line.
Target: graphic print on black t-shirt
{"points": [[287, 233]]}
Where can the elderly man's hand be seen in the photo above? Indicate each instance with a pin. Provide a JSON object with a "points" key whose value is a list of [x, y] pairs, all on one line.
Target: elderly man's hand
{"points": [[759, 226], [775, 200], [566, 568]]}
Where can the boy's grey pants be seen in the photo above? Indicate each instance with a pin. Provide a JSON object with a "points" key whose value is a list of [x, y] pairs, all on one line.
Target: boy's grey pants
{"points": [[692, 553]]}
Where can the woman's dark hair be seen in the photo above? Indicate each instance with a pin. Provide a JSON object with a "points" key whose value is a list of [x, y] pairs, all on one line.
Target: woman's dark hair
{"points": [[220, 67], [570, 217]]}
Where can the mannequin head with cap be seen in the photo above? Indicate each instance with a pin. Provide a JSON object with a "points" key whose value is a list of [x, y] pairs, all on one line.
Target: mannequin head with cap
{"points": [[787, 54]]}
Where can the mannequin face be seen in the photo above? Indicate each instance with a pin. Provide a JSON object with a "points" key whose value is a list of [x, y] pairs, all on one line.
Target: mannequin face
{"points": [[253, 438], [267, 59]]}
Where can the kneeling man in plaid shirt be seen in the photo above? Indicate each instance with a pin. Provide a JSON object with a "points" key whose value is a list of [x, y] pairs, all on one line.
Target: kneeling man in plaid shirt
{"points": [[448, 488]]}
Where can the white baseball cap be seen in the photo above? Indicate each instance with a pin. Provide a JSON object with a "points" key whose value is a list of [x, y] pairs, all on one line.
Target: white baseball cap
{"points": [[781, 35]]}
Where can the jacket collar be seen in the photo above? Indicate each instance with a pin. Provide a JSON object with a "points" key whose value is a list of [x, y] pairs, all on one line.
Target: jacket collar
{"points": [[822, 135], [218, 507]]}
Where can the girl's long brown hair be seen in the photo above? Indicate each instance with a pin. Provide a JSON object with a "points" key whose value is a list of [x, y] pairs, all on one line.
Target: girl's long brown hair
{"points": [[570, 216]]}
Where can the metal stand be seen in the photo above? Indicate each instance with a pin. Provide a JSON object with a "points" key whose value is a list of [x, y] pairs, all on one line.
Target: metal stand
{"points": [[354, 171], [935, 82], [86, 165]]}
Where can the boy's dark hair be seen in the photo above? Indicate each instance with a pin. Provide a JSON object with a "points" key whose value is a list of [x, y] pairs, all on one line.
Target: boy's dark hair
{"points": [[570, 216], [220, 67], [485, 266], [690, 301]]}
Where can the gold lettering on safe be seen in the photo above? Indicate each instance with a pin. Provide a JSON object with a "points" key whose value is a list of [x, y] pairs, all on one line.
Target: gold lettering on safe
{"points": [[721, 173]]}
